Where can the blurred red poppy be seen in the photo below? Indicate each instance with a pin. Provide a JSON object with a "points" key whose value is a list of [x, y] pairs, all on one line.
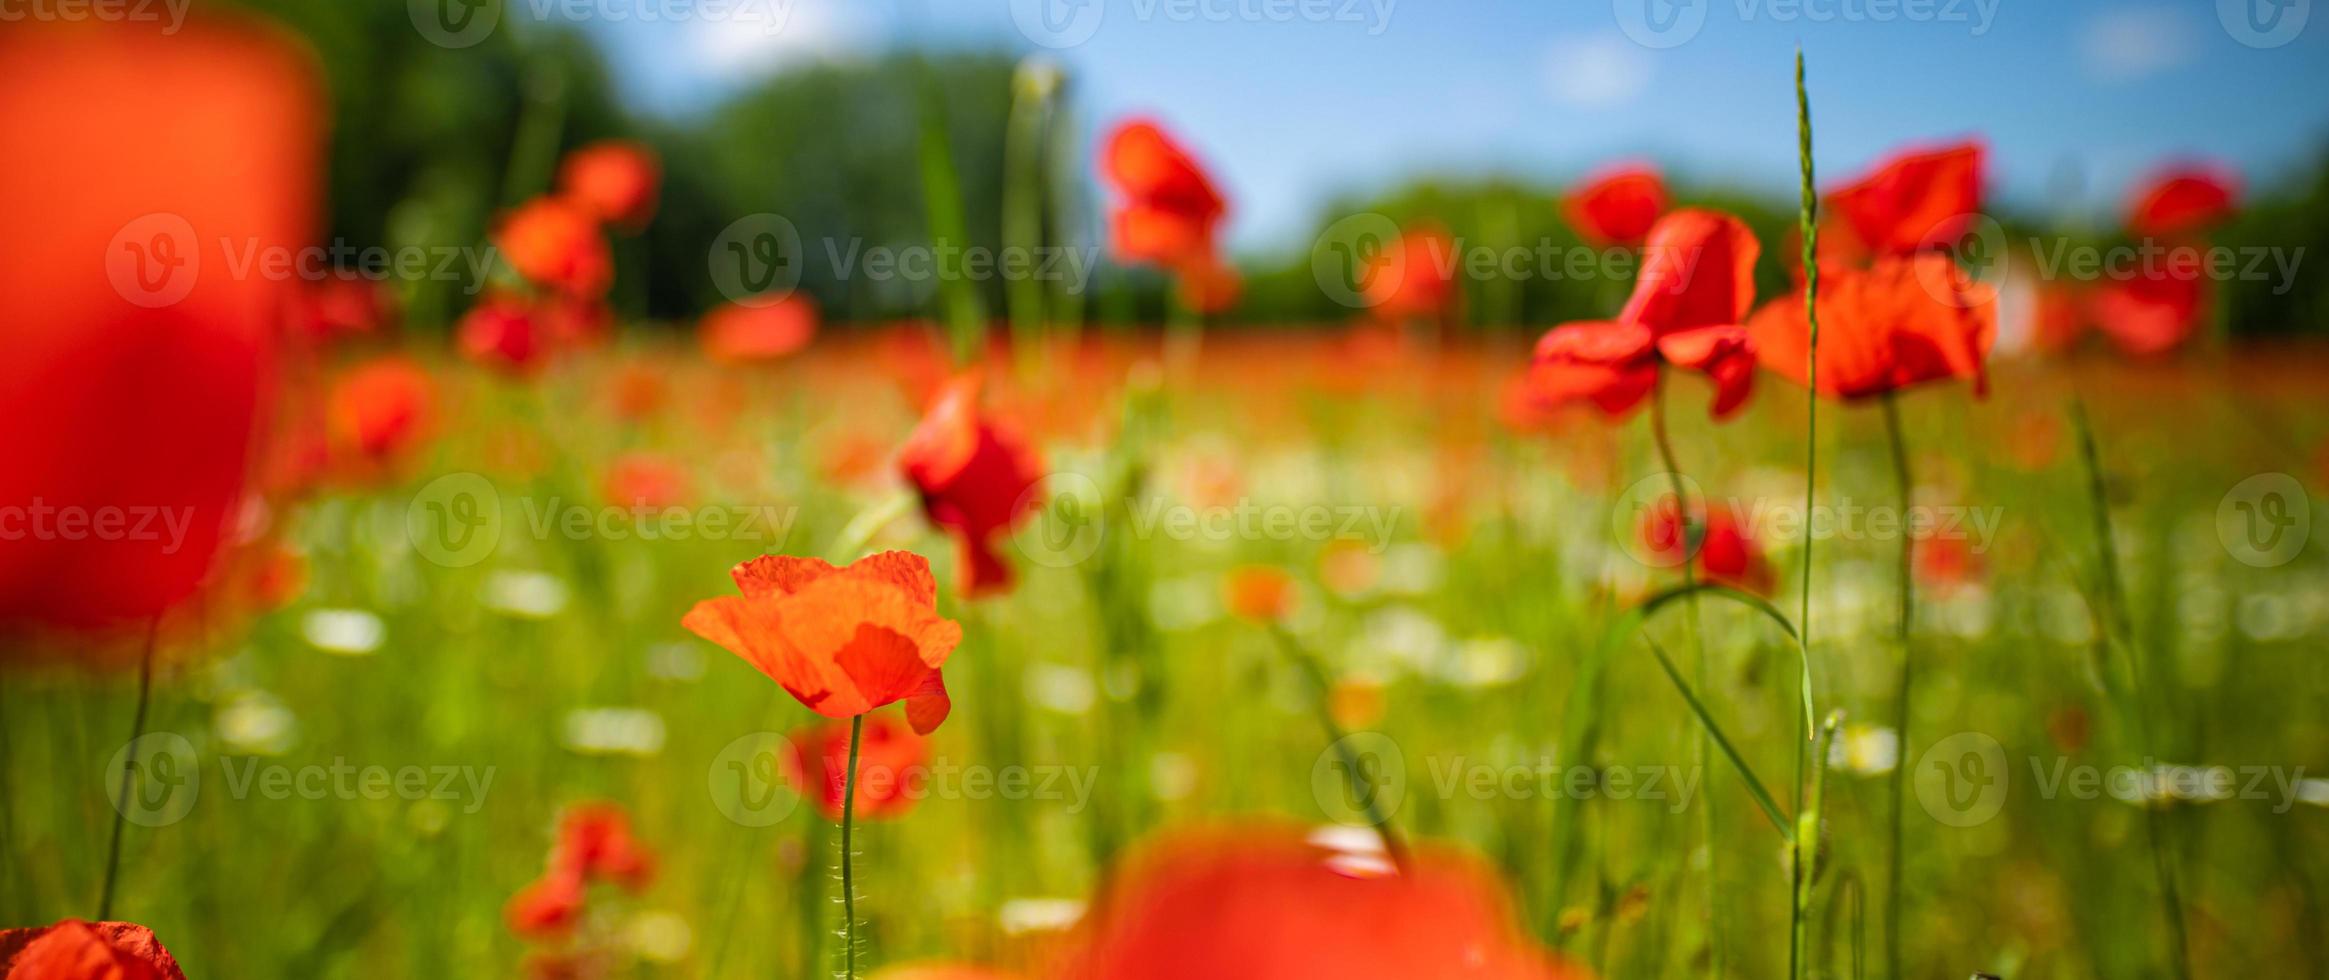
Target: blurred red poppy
{"points": [[1210, 286], [1616, 207], [843, 641], [614, 180], [556, 244], [1726, 554], [1151, 168], [1170, 213], [2181, 201], [595, 843], [547, 907], [1696, 284], [1414, 277], [890, 766], [502, 332], [1916, 200], [382, 408], [641, 479], [78, 950], [977, 479], [740, 334], [1161, 236], [1900, 322], [1259, 593], [141, 167], [1264, 903], [1945, 563], [342, 306], [2152, 312]]}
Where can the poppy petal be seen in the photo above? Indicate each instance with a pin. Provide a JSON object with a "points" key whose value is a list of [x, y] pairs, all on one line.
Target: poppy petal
{"points": [[929, 705]]}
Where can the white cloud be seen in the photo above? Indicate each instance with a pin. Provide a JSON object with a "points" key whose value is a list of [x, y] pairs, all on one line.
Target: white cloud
{"points": [[2129, 43], [1596, 71], [760, 36]]}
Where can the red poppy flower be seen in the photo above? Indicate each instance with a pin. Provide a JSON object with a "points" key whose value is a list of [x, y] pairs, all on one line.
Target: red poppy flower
{"points": [[1264, 903], [1726, 552], [1259, 593], [141, 166], [1917, 200], [1160, 236], [647, 480], [547, 908], [78, 950], [1616, 207], [2180, 201], [556, 244], [1414, 277], [502, 332], [1696, 283], [740, 334], [1149, 167], [1209, 286], [595, 843], [342, 306], [382, 408], [2153, 312], [637, 391], [890, 766], [976, 479], [843, 641], [1900, 322], [1946, 563], [614, 180]]}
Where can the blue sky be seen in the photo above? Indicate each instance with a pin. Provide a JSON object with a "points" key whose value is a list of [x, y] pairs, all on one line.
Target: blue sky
{"points": [[1294, 101]]}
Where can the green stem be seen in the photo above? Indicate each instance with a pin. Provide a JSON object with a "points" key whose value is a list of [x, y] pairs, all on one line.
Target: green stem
{"points": [[1707, 725], [1362, 788], [1894, 859], [848, 854], [1690, 543], [1808, 219], [1807, 831], [2136, 703], [850, 544], [137, 730]]}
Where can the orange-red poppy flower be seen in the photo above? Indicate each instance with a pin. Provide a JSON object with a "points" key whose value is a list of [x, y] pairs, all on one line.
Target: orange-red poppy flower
{"points": [[547, 907], [1170, 213], [1208, 286], [78, 950], [1616, 207], [1900, 322], [1696, 284], [2152, 312], [556, 244], [502, 332], [1414, 277], [2182, 200], [843, 641], [615, 180], [977, 479], [1150, 167], [740, 334], [1160, 236], [891, 766], [142, 166], [1945, 563], [382, 408], [642, 479], [1263, 903], [1726, 554], [1259, 593], [595, 843], [1916, 200]]}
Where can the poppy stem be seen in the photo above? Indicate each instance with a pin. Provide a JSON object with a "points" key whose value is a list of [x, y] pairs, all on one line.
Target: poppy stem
{"points": [[848, 880], [1807, 832], [1895, 894], [137, 730], [1808, 225], [1691, 537], [1361, 786]]}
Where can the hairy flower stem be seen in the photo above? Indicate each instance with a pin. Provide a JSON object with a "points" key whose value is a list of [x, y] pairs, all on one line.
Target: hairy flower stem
{"points": [[1808, 218], [137, 730], [848, 854], [1691, 536], [1894, 893]]}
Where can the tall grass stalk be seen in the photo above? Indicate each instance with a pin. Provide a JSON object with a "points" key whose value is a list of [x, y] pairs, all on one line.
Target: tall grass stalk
{"points": [[137, 730], [1808, 219], [1894, 855], [1362, 788]]}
